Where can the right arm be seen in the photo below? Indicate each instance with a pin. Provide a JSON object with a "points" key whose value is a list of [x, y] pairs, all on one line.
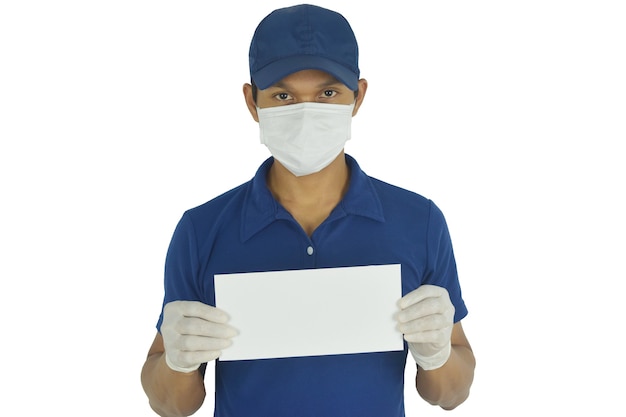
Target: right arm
{"points": [[170, 393], [192, 333]]}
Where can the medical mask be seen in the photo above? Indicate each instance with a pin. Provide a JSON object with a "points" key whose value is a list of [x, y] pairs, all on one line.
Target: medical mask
{"points": [[305, 137]]}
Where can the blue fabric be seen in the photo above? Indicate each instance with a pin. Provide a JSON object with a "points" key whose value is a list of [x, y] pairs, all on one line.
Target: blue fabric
{"points": [[303, 37], [246, 230]]}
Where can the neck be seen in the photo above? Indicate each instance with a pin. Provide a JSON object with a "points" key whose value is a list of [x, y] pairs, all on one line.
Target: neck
{"points": [[310, 198], [330, 182]]}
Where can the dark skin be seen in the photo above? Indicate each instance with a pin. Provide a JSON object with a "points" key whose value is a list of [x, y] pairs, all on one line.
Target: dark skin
{"points": [[310, 199]]}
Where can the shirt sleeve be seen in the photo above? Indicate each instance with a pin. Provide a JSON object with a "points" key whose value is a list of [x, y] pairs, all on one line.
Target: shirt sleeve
{"points": [[442, 269], [181, 280]]}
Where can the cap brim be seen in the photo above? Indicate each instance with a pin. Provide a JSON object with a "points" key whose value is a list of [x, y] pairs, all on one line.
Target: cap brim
{"points": [[276, 71]]}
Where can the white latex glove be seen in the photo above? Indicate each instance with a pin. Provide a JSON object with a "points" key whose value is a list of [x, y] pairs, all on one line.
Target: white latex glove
{"points": [[426, 318], [194, 333]]}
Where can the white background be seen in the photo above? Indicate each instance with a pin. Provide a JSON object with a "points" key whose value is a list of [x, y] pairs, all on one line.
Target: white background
{"points": [[117, 116]]}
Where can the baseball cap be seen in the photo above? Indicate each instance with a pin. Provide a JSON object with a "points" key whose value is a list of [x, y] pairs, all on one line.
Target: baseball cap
{"points": [[303, 37]]}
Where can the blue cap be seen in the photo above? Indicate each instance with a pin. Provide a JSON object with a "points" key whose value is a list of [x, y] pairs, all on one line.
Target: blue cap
{"points": [[303, 37]]}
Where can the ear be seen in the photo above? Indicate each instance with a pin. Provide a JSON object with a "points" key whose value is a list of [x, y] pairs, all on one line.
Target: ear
{"points": [[360, 95], [247, 93]]}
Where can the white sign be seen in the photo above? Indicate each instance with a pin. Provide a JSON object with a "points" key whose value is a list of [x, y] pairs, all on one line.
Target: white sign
{"points": [[311, 312]]}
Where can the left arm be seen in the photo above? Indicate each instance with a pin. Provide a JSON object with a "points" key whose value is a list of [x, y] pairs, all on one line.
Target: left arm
{"points": [[449, 385], [439, 346]]}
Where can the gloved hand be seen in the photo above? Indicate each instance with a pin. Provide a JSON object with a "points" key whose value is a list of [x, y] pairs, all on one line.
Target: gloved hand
{"points": [[194, 333], [426, 318]]}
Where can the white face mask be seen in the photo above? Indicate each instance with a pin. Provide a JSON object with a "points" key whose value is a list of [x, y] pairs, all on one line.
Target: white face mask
{"points": [[305, 137]]}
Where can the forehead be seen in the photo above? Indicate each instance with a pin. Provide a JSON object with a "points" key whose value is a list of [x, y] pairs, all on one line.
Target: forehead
{"points": [[308, 79]]}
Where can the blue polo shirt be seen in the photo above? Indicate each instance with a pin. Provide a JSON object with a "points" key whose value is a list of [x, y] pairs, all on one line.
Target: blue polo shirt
{"points": [[247, 230]]}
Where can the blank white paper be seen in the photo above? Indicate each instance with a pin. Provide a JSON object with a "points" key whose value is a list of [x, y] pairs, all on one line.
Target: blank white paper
{"points": [[311, 312]]}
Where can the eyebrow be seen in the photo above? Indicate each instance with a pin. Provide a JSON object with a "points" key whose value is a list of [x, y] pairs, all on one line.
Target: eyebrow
{"points": [[332, 81]]}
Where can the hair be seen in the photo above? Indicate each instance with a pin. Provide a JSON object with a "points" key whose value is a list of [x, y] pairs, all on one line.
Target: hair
{"points": [[255, 91]]}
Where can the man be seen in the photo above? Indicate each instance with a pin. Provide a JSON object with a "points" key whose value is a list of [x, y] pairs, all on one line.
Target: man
{"points": [[309, 206]]}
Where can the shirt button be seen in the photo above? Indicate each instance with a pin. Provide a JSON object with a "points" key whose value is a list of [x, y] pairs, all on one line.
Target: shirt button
{"points": [[309, 250]]}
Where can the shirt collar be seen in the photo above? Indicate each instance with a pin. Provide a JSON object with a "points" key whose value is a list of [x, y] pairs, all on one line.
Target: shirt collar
{"points": [[260, 208]]}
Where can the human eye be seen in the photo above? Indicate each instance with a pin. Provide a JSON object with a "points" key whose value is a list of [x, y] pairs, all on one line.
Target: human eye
{"points": [[282, 96], [329, 93]]}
